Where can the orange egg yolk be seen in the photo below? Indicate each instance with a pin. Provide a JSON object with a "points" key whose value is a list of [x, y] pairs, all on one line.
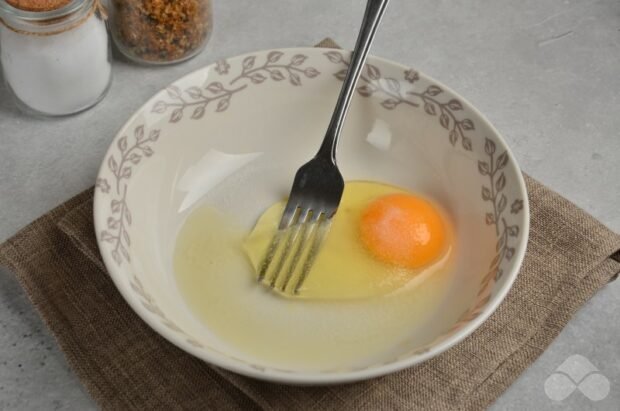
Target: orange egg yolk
{"points": [[403, 230]]}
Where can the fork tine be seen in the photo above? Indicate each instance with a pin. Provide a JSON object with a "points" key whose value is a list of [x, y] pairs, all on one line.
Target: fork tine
{"points": [[273, 246], [293, 233], [271, 252], [307, 232], [322, 229], [290, 211]]}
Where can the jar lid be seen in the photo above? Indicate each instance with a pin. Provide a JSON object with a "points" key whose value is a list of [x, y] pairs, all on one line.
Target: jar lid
{"points": [[45, 17], [38, 5]]}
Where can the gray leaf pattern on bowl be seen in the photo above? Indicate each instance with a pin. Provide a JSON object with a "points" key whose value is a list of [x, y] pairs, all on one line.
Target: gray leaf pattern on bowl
{"points": [[222, 67], [372, 83], [149, 303], [516, 206], [195, 101], [103, 185], [493, 193], [274, 69], [121, 166]]}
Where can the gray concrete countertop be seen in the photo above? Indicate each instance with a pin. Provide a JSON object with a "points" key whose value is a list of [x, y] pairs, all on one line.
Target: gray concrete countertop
{"points": [[545, 72]]}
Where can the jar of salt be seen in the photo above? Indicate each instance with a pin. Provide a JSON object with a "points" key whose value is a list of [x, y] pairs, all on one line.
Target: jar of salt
{"points": [[55, 54]]}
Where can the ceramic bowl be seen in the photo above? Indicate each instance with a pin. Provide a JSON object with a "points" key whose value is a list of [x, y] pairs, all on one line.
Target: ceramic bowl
{"points": [[234, 133]]}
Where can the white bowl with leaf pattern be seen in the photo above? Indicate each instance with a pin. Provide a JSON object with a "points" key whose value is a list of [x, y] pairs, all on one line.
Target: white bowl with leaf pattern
{"points": [[269, 109]]}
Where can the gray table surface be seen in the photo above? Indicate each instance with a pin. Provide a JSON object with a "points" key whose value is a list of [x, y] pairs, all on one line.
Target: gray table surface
{"points": [[545, 72]]}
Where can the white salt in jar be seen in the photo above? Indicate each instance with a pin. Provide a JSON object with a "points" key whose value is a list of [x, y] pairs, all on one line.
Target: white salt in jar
{"points": [[55, 54]]}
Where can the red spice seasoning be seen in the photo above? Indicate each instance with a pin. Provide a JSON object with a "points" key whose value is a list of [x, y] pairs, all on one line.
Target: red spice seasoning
{"points": [[38, 5], [161, 31]]}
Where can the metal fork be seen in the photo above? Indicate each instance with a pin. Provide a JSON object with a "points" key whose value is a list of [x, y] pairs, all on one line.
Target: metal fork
{"points": [[318, 185]]}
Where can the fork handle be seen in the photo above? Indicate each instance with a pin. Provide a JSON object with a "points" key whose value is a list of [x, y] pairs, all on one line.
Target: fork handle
{"points": [[372, 17]]}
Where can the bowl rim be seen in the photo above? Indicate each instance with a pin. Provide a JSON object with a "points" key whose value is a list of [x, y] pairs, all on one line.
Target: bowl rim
{"points": [[311, 377]]}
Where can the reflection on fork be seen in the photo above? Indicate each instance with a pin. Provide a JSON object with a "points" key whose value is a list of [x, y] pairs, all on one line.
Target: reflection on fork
{"points": [[294, 251]]}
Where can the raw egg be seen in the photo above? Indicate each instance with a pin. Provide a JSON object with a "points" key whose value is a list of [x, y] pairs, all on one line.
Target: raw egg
{"points": [[359, 303], [381, 239], [403, 230]]}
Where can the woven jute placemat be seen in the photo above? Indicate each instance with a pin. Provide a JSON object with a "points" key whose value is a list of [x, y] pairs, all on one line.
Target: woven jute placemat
{"points": [[127, 366]]}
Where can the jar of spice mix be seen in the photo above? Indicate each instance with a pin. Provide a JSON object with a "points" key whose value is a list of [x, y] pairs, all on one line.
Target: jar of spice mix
{"points": [[160, 31], [55, 54]]}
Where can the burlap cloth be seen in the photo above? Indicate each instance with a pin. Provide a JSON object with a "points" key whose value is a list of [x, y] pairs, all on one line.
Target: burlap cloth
{"points": [[127, 366]]}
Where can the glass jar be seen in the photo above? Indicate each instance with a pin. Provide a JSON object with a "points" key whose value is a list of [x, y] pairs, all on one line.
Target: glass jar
{"points": [[160, 31], [55, 54]]}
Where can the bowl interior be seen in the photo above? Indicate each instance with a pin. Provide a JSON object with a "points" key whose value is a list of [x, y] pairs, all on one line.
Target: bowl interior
{"points": [[233, 134]]}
